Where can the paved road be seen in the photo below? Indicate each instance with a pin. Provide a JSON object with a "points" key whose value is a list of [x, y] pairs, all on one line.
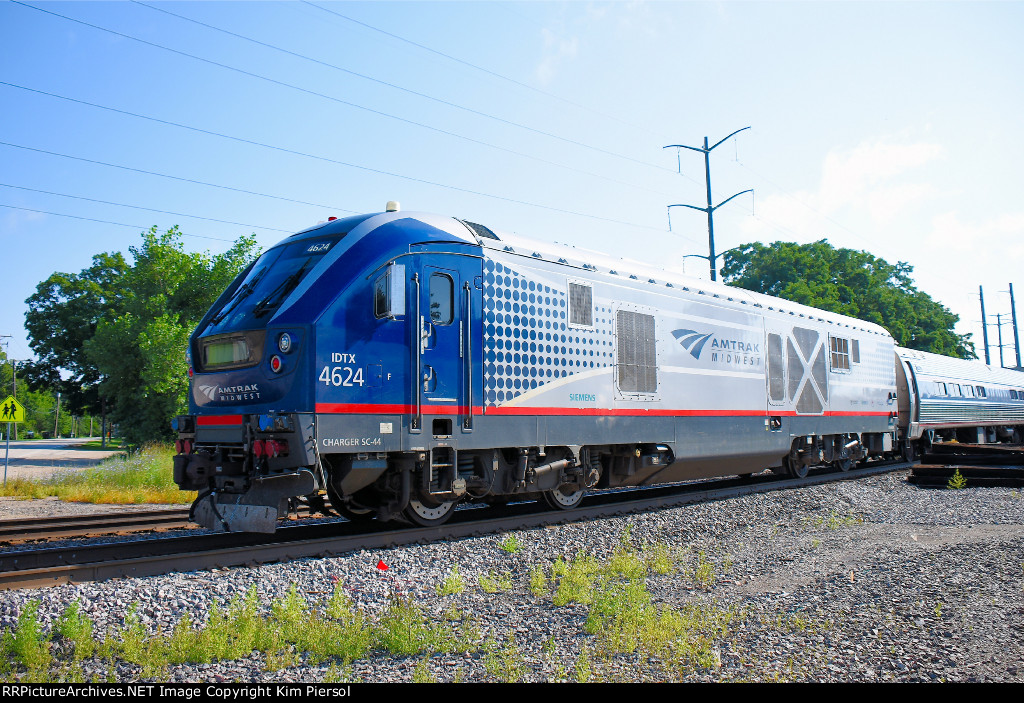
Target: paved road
{"points": [[40, 458]]}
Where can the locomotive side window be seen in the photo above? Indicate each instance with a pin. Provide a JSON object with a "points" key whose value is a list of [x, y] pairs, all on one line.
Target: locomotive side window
{"points": [[940, 387], [776, 373], [840, 348], [442, 299], [389, 293], [581, 305], [636, 353], [855, 351], [380, 297], [981, 391]]}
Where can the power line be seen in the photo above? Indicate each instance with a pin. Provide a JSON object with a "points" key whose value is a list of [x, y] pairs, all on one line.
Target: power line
{"points": [[177, 178], [149, 209], [330, 160], [332, 98], [108, 222], [410, 91], [473, 66]]}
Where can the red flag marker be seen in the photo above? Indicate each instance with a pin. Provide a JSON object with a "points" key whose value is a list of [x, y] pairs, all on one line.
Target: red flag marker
{"points": [[381, 565]]}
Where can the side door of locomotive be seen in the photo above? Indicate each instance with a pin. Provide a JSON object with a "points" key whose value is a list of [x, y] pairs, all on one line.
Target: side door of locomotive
{"points": [[445, 318], [440, 319]]}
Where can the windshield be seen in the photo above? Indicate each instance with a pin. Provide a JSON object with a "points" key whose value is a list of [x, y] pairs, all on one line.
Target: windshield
{"points": [[274, 275]]}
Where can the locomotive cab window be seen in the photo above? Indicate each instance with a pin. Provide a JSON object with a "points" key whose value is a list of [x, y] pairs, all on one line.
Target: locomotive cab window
{"points": [[442, 299]]}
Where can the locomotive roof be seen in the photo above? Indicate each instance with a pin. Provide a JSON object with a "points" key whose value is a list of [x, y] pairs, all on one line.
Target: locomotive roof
{"points": [[594, 263], [597, 263], [960, 369]]}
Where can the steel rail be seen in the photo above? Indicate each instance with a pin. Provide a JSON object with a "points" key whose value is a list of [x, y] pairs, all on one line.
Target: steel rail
{"points": [[84, 563], [25, 529]]}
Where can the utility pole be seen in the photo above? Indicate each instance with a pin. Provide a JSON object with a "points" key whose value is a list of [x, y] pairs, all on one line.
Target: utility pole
{"points": [[706, 150], [999, 326], [1016, 335], [984, 324]]}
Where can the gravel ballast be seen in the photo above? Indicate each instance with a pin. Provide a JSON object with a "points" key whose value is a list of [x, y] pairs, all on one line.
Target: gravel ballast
{"points": [[866, 580]]}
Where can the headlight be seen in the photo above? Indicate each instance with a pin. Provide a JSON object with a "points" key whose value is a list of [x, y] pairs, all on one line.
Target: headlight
{"points": [[284, 343]]}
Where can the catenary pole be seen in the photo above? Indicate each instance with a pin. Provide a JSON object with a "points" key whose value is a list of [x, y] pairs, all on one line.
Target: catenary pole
{"points": [[710, 210], [984, 324], [1016, 334]]}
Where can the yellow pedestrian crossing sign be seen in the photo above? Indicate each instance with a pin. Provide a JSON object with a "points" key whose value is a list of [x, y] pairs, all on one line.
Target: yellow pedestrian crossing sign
{"points": [[11, 410]]}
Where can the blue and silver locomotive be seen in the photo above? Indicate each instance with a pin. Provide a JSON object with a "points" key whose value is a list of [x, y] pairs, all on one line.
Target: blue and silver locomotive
{"points": [[397, 364]]}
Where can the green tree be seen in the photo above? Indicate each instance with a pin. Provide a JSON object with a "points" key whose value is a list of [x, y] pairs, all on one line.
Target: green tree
{"points": [[39, 405], [853, 283], [129, 327], [62, 315]]}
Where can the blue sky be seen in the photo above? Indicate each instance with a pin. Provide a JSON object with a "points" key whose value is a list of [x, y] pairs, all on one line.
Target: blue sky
{"points": [[888, 127]]}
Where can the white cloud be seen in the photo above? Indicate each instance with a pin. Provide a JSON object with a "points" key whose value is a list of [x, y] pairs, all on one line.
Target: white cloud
{"points": [[1003, 235], [556, 51], [874, 177]]}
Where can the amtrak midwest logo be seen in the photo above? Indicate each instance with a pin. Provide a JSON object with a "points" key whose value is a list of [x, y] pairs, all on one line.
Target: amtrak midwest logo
{"points": [[722, 350], [230, 393]]}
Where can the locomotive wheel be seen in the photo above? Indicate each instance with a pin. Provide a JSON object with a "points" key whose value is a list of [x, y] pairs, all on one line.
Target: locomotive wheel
{"points": [[843, 465], [428, 516], [796, 469], [565, 497], [354, 514], [347, 510], [908, 451]]}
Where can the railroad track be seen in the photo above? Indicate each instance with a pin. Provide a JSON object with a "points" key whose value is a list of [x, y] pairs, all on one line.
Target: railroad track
{"points": [[977, 464], [42, 528], [151, 557]]}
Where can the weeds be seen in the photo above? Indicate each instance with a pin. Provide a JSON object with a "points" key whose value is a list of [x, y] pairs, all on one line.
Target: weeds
{"points": [[504, 662], [512, 544], [703, 574], [957, 481], [833, 521], [491, 583], [583, 670], [659, 559], [575, 580], [538, 581], [404, 630], [453, 584]]}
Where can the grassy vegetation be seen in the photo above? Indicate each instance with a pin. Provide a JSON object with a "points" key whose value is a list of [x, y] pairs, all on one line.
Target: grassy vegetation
{"points": [[511, 543], [833, 521], [143, 477], [453, 584], [97, 444], [625, 633]]}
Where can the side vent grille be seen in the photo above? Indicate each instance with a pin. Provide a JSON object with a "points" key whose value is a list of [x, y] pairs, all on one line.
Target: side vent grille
{"points": [[636, 352]]}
